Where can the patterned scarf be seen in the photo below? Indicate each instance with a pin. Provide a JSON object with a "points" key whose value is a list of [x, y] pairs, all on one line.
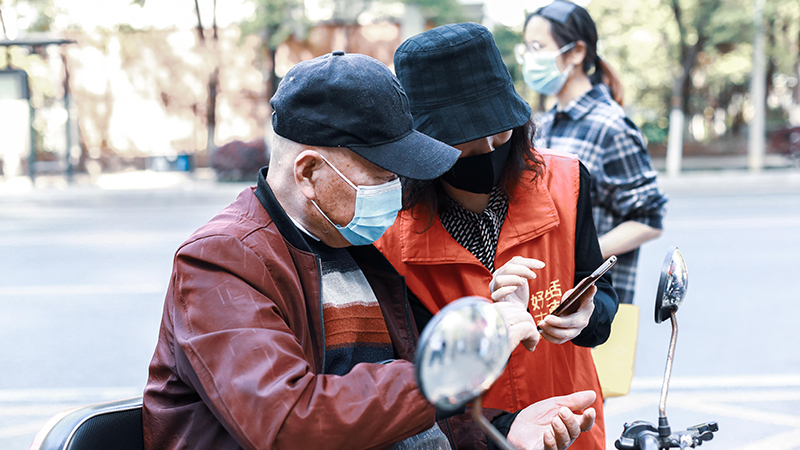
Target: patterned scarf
{"points": [[477, 233]]}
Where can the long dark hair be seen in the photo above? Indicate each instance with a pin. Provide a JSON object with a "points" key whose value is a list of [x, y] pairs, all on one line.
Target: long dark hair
{"points": [[426, 198], [579, 26]]}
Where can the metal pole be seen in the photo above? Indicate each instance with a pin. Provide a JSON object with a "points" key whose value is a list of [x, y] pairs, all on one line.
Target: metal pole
{"points": [[758, 88], [32, 156], [5, 36], [675, 142], [68, 123], [499, 440], [662, 404]]}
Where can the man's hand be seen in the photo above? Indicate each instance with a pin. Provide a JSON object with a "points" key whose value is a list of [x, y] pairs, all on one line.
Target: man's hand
{"points": [[520, 325], [550, 424], [510, 282], [562, 329]]}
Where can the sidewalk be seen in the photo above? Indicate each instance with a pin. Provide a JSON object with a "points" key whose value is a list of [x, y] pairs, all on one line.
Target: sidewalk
{"points": [[701, 176], [131, 181]]}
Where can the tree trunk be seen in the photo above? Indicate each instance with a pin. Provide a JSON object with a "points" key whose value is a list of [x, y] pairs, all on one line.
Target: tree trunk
{"points": [[200, 34], [213, 21], [211, 113], [771, 67], [797, 73], [273, 77]]}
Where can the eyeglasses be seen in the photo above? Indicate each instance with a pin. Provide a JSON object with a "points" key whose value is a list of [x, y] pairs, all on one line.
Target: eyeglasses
{"points": [[522, 48], [534, 47]]}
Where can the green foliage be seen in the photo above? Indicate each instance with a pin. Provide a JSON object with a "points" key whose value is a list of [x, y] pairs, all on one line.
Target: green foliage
{"points": [[644, 41], [440, 12], [276, 20], [506, 38]]}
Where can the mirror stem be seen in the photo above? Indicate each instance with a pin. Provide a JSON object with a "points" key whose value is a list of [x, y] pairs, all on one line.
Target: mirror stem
{"points": [[487, 427], [663, 425]]}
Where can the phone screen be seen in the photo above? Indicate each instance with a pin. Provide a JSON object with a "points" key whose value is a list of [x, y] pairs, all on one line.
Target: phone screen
{"points": [[569, 304]]}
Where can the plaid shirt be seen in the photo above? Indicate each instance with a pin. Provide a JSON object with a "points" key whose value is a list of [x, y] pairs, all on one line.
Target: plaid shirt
{"points": [[624, 187]]}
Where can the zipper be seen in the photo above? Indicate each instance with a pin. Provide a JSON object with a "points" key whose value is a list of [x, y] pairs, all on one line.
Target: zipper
{"points": [[408, 314], [321, 312]]}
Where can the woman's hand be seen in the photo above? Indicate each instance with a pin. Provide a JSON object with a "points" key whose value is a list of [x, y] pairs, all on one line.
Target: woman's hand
{"points": [[519, 321], [510, 282], [562, 329], [550, 424]]}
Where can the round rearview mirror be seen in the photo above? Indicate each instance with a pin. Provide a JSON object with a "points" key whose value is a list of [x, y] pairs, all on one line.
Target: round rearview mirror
{"points": [[461, 352], [672, 285]]}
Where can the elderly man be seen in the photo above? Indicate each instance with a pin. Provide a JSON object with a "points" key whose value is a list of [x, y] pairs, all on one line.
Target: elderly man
{"points": [[283, 327]]}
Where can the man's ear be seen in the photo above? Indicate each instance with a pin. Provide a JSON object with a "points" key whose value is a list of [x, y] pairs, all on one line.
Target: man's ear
{"points": [[306, 172]]}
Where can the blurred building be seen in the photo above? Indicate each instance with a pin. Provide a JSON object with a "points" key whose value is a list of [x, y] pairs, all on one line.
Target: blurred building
{"points": [[136, 93]]}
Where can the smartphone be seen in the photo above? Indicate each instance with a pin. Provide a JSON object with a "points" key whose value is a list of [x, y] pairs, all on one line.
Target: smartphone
{"points": [[569, 304]]}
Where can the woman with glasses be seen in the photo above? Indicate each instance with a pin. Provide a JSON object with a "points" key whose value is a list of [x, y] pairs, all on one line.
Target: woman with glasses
{"points": [[559, 57]]}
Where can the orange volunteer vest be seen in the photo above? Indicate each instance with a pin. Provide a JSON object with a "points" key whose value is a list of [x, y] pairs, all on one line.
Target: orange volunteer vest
{"points": [[540, 224]]}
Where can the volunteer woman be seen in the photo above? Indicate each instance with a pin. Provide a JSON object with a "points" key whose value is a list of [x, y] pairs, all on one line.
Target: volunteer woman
{"points": [[506, 221]]}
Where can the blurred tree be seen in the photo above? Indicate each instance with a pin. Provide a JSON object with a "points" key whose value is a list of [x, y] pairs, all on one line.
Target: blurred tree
{"points": [[663, 63], [276, 20], [213, 77], [24, 17], [680, 55], [506, 38], [5, 34], [783, 36], [440, 12]]}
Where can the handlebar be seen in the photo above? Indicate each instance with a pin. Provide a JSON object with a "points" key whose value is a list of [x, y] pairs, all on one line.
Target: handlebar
{"points": [[647, 441], [641, 435]]}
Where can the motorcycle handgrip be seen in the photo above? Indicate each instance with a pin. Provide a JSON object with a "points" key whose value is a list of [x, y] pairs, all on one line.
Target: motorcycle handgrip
{"points": [[647, 441]]}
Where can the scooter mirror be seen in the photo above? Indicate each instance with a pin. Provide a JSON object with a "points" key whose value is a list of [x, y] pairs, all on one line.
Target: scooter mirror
{"points": [[461, 352], [672, 285]]}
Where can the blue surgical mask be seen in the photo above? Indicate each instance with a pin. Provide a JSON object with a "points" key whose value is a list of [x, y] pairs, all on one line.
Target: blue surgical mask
{"points": [[376, 210], [541, 73]]}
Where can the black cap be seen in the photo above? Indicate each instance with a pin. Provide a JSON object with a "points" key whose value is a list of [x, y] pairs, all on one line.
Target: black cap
{"points": [[459, 87], [354, 101]]}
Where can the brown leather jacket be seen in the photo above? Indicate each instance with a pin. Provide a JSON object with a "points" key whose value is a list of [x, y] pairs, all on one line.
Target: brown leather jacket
{"points": [[240, 351]]}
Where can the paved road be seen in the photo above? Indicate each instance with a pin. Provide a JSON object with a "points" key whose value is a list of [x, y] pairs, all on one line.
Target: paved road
{"points": [[83, 271], [738, 352]]}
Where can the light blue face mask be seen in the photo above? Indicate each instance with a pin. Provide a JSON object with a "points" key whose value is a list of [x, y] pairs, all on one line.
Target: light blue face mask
{"points": [[541, 73], [376, 210]]}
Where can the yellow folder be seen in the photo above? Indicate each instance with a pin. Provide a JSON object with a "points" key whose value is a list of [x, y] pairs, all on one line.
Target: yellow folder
{"points": [[615, 359]]}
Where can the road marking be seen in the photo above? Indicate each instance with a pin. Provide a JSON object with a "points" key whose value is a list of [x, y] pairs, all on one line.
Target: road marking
{"points": [[738, 396], [785, 441], [104, 239], [34, 410], [21, 429], [732, 223], [23, 402], [723, 382], [742, 398], [68, 394], [736, 412], [82, 289], [686, 400]]}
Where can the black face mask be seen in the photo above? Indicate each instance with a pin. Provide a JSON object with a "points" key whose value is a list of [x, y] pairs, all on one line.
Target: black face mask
{"points": [[478, 173]]}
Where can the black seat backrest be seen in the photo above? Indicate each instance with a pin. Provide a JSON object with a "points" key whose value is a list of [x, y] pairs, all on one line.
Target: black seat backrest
{"points": [[114, 425], [119, 430]]}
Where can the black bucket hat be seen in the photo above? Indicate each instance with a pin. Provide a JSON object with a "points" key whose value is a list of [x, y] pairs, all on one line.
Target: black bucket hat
{"points": [[458, 85], [354, 101]]}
